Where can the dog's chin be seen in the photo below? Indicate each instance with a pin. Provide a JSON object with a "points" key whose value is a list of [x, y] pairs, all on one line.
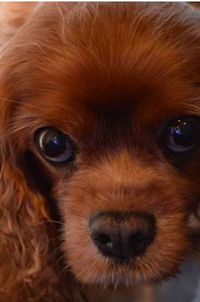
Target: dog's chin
{"points": [[111, 274]]}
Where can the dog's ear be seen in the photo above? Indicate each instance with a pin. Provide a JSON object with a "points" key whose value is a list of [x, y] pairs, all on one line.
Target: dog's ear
{"points": [[28, 238], [24, 226], [24, 241], [12, 18]]}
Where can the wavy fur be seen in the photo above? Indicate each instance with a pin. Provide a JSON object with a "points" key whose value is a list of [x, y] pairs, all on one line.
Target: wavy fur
{"points": [[58, 60]]}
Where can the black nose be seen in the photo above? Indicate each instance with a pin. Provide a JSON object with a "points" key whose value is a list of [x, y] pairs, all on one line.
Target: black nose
{"points": [[122, 235]]}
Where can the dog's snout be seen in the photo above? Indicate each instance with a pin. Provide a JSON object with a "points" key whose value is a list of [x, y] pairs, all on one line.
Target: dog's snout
{"points": [[122, 236]]}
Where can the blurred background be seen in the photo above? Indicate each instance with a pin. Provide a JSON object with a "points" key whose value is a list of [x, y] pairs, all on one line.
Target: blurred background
{"points": [[185, 287]]}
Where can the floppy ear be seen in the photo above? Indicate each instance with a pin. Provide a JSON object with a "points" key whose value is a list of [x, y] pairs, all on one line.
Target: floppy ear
{"points": [[27, 244], [29, 267], [24, 233], [29, 263], [12, 17], [24, 230]]}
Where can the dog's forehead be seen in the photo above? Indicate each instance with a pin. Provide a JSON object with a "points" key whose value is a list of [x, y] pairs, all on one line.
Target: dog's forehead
{"points": [[104, 60]]}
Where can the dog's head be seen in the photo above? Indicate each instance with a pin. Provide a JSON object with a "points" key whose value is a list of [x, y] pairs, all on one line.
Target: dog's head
{"points": [[100, 111]]}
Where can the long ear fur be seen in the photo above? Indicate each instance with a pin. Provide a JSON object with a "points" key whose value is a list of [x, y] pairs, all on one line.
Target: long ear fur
{"points": [[24, 230], [29, 267], [29, 264], [26, 260]]}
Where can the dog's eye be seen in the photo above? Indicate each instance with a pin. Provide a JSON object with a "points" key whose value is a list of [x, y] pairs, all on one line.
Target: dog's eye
{"points": [[55, 145], [182, 134]]}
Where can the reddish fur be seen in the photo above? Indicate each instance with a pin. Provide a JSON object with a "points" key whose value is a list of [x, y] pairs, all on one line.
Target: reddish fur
{"points": [[81, 67]]}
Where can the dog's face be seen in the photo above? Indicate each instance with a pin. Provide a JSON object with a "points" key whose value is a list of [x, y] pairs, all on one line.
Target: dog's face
{"points": [[106, 123]]}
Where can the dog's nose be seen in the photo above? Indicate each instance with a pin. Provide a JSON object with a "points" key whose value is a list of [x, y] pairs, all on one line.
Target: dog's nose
{"points": [[122, 236]]}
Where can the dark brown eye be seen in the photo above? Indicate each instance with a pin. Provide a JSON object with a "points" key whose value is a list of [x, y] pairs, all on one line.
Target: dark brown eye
{"points": [[182, 134], [54, 145]]}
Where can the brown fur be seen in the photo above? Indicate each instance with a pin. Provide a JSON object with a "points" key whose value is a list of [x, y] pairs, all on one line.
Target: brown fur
{"points": [[109, 75]]}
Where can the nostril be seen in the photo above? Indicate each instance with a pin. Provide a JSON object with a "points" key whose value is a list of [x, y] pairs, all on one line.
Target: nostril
{"points": [[136, 237], [104, 242], [138, 242], [103, 239]]}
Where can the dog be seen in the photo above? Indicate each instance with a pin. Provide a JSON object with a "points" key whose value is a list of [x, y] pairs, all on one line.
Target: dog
{"points": [[100, 132]]}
